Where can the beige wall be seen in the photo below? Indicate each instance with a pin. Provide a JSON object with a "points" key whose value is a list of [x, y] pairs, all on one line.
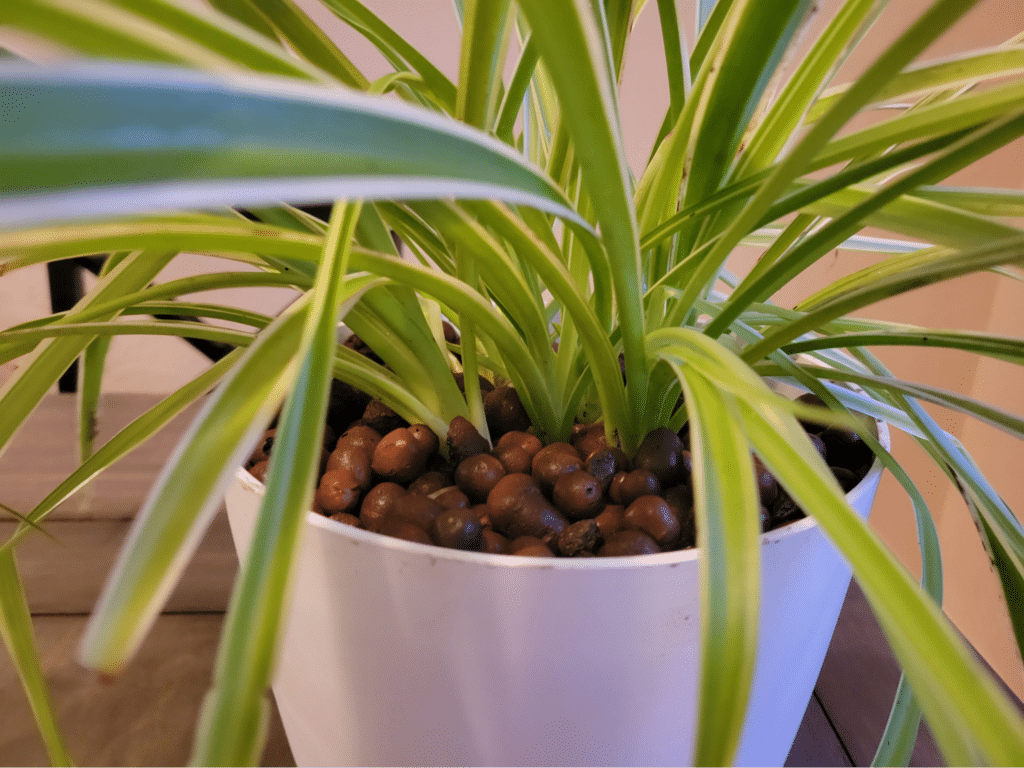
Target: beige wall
{"points": [[979, 302]]}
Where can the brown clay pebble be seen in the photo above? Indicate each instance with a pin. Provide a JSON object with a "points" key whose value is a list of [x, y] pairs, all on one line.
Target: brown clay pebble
{"points": [[847, 479], [654, 516], [587, 438], [818, 443], [603, 465], [450, 497], [346, 518], [484, 513], [504, 411], [809, 398], [513, 459], [688, 461], [264, 447], [355, 461], [458, 529], [259, 470], [680, 498], [460, 382], [378, 504], [425, 437], [338, 491], [359, 436], [345, 405], [527, 443], [845, 448], [330, 438], [515, 451], [430, 482], [398, 457], [355, 343], [767, 485], [552, 461], [578, 495], [785, 510], [581, 536], [661, 454], [529, 546], [627, 487], [610, 520], [477, 475], [492, 542], [382, 418], [535, 516], [628, 542], [403, 529], [464, 440], [508, 495], [418, 510]]}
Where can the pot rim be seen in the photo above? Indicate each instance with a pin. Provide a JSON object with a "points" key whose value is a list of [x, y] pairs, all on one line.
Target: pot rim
{"points": [[359, 536]]}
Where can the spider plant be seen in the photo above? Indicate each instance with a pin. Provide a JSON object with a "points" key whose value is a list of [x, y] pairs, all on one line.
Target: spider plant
{"points": [[202, 127]]}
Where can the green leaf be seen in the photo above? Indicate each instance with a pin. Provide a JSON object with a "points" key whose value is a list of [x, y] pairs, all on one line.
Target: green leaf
{"points": [[17, 633], [89, 35], [593, 337], [829, 50], [246, 13], [307, 39], [73, 332], [966, 111], [1009, 348], [911, 216], [390, 321], [676, 63], [574, 51], [760, 285], [728, 526], [485, 32], [742, 69], [920, 270], [959, 71], [988, 202], [155, 30], [395, 47], [232, 723], [277, 141], [187, 493], [512, 101], [528, 377], [926, 28], [90, 377]]}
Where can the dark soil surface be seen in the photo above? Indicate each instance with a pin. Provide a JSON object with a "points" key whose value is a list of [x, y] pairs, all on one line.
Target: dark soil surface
{"points": [[583, 498]]}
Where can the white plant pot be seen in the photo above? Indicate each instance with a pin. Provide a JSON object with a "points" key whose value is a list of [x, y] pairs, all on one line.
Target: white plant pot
{"points": [[402, 653]]}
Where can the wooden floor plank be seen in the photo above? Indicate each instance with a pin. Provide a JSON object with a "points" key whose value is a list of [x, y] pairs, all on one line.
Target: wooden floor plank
{"points": [[816, 743], [145, 717], [44, 453], [66, 575], [858, 682]]}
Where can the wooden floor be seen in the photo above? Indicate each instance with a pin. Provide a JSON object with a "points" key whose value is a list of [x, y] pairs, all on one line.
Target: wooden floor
{"points": [[146, 717]]}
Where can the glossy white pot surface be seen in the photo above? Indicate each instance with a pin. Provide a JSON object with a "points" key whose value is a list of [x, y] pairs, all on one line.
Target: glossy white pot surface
{"points": [[402, 653]]}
